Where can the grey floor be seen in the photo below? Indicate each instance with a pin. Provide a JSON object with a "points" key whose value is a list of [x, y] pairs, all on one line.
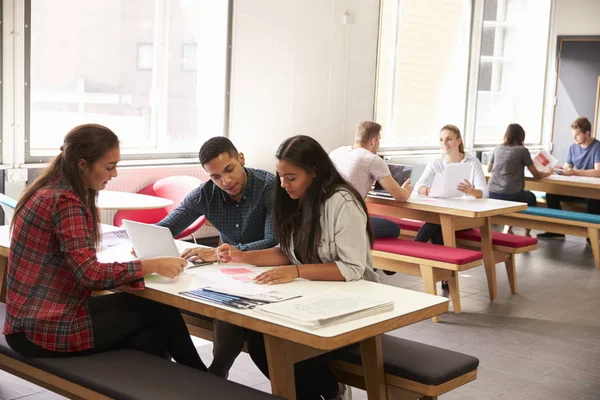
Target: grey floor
{"points": [[542, 344]]}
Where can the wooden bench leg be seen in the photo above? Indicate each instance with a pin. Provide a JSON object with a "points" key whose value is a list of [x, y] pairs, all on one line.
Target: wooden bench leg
{"points": [[593, 235], [455, 292], [429, 281], [511, 271]]}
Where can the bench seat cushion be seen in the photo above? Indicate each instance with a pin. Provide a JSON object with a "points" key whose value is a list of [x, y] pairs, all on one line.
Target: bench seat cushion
{"points": [[562, 214], [416, 361], [498, 238], [130, 374], [427, 251]]}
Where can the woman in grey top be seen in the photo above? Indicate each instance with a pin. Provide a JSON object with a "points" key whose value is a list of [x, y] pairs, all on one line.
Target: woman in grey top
{"points": [[507, 166], [324, 233]]}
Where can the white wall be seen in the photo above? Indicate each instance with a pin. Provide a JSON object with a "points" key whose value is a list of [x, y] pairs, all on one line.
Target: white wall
{"points": [[570, 17], [297, 69]]}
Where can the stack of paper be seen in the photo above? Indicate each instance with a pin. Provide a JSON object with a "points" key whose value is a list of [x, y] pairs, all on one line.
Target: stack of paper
{"points": [[251, 291], [326, 308]]}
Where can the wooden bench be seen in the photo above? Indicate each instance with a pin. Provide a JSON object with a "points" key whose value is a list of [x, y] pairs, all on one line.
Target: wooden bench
{"points": [[559, 221], [413, 370], [505, 245], [432, 262], [120, 374]]}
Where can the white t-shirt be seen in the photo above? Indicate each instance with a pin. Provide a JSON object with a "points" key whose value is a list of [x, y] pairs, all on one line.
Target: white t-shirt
{"points": [[438, 165], [360, 167]]}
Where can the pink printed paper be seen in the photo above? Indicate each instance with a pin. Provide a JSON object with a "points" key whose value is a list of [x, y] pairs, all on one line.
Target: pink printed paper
{"points": [[235, 271]]}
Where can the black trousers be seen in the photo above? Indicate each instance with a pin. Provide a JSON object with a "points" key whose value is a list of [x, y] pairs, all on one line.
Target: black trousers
{"points": [[123, 320], [313, 378], [553, 201], [431, 232]]}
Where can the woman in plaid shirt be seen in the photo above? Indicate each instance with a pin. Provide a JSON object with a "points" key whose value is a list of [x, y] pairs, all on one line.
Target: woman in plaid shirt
{"points": [[53, 269]]}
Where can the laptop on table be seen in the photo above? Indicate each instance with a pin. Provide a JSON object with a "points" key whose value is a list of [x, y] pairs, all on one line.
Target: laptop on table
{"points": [[150, 241], [399, 172]]}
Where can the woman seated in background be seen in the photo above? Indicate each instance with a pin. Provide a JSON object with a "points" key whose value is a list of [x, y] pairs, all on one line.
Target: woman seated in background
{"points": [[324, 233], [454, 152], [53, 269], [507, 166]]}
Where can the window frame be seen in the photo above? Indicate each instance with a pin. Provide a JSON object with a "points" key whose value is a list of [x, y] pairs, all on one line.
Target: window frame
{"points": [[138, 159], [433, 149], [473, 85]]}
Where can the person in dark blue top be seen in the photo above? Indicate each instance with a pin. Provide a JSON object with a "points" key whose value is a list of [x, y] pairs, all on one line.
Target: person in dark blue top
{"points": [[238, 202], [583, 159]]}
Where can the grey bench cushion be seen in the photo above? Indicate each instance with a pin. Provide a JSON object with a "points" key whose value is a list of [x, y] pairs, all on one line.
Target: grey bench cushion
{"points": [[130, 374], [416, 361]]}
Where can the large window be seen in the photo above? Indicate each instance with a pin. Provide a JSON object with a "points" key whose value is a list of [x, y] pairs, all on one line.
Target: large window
{"points": [[422, 69], [512, 66], [154, 71]]}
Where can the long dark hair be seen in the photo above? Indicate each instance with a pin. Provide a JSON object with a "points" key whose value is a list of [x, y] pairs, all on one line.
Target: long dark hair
{"points": [[89, 142], [302, 217], [515, 134]]}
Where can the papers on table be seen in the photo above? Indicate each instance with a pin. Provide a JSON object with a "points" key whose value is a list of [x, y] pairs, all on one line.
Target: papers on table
{"points": [[326, 308], [446, 184], [252, 291], [239, 294], [544, 161], [114, 238]]}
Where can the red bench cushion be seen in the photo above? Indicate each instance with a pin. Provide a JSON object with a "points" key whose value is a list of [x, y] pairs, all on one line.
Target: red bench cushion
{"points": [[498, 238], [427, 251]]}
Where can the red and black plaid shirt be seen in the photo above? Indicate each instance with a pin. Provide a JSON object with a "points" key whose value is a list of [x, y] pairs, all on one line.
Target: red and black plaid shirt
{"points": [[52, 269]]}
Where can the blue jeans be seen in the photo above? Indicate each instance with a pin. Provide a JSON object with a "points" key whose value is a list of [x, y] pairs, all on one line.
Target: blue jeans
{"points": [[524, 196], [384, 228]]}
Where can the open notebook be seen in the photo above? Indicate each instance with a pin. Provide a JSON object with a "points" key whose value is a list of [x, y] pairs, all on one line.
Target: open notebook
{"points": [[329, 307]]}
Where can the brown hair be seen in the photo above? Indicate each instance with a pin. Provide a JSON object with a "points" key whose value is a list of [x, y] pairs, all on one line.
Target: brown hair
{"points": [[454, 128], [367, 130], [301, 218], [515, 134], [583, 124], [89, 142]]}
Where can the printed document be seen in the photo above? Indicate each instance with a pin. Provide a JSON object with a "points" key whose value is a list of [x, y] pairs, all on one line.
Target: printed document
{"points": [[446, 184], [544, 161], [329, 307]]}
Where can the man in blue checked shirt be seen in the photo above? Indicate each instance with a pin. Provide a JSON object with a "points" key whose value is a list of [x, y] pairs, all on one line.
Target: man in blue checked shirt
{"points": [[238, 202]]}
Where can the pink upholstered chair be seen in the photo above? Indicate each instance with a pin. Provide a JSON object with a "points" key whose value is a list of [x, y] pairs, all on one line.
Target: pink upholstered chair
{"points": [[172, 187]]}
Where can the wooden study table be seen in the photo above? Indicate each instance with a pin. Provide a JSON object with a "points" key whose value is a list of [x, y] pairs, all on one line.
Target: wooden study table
{"points": [[577, 186], [286, 343], [453, 215]]}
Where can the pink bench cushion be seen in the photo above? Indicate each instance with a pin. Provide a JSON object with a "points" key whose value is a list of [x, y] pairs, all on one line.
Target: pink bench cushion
{"points": [[407, 224], [427, 251], [498, 238]]}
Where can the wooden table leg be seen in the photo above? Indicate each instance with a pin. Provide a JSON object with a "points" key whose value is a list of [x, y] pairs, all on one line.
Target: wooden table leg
{"points": [[281, 367], [372, 361], [593, 236], [448, 234], [489, 260]]}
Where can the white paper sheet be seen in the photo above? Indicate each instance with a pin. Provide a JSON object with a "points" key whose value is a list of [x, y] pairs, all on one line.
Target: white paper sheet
{"points": [[446, 184]]}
